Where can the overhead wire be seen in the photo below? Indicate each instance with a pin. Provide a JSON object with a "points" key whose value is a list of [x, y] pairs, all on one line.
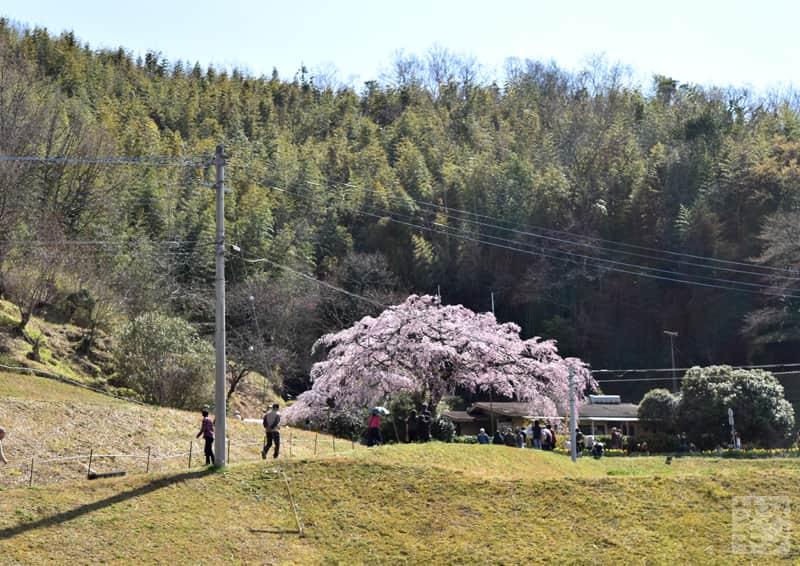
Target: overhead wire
{"points": [[763, 289], [468, 213]]}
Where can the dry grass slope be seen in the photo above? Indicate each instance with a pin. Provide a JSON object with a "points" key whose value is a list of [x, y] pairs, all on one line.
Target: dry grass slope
{"points": [[410, 504]]}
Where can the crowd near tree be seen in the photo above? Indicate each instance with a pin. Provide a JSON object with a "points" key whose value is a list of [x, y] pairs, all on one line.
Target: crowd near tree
{"points": [[563, 193]]}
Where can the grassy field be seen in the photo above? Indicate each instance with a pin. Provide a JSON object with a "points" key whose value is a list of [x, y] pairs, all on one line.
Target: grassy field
{"points": [[401, 504], [49, 420], [409, 504]]}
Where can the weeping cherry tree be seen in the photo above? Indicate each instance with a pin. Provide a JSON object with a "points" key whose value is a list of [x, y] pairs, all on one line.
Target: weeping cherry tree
{"points": [[428, 350]]}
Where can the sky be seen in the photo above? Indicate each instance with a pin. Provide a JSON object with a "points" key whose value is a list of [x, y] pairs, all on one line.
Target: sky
{"points": [[708, 42]]}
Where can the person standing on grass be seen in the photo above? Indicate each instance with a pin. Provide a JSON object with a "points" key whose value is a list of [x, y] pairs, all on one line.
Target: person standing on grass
{"points": [[207, 432], [425, 420], [374, 429], [272, 424], [483, 438], [2, 436], [536, 435]]}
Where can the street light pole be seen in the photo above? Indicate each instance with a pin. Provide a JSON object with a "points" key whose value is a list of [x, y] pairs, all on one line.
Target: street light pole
{"points": [[672, 336]]}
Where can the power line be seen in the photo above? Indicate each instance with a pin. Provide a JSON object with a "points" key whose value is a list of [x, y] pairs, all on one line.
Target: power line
{"points": [[764, 288], [671, 275], [658, 370], [565, 233], [154, 161], [422, 205], [315, 280]]}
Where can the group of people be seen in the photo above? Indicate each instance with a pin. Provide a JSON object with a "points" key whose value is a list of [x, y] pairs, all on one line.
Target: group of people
{"points": [[417, 426], [271, 423], [541, 437]]}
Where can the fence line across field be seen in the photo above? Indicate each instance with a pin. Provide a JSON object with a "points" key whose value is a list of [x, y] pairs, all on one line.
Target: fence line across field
{"points": [[152, 458]]}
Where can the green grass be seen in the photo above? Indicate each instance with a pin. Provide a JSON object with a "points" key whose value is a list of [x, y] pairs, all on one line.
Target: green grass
{"points": [[407, 504], [374, 509]]}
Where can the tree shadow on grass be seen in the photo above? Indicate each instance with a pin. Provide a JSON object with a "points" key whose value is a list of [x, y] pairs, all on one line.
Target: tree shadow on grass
{"points": [[103, 503]]}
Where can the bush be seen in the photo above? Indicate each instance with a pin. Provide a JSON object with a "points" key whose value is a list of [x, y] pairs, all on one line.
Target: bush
{"points": [[658, 411], [656, 441], [466, 439], [442, 429], [163, 360], [762, 416], [346, 425]]}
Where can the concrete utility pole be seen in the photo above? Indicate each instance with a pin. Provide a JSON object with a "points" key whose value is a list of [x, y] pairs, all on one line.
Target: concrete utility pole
{"points": [[220, 457], [672, 336], [572, 422]]}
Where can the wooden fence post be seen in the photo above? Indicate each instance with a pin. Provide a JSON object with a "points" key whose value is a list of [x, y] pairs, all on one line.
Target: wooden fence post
{"points": [[148, 460], [334, 445], [30, 479], [190, 453], [91, 455], [316, 435]]}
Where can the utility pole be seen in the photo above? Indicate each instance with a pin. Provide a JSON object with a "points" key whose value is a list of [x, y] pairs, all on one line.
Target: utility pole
{"points": [[220, 457], [672, 336], [572, 422], [491, 400]]}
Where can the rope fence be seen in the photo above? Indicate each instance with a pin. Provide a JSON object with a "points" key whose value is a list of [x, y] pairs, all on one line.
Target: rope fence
{"points": [[32, 471]]}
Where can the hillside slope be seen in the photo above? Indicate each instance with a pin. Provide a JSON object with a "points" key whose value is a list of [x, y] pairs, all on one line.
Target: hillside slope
{"points": [[48, 420], [356, 511]]}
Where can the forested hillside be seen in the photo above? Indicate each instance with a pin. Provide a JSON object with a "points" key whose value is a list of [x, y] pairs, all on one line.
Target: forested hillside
{"points": [[598, 212]]}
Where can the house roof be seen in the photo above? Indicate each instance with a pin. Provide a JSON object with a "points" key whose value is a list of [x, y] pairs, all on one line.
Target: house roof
{"points": [[609, 412], [504, 408], [459, 416]]}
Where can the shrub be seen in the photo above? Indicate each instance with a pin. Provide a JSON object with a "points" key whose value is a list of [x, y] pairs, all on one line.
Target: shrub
{"points": [[347, 425], [658, 411], [762, 416], [442, 429], [163, 360]]}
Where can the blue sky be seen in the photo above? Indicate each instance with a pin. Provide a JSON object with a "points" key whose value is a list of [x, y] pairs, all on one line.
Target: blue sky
{"points": [[740, 43]]}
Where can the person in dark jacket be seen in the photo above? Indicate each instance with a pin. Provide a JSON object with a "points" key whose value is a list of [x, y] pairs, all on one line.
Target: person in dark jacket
{"points": [[412, 426], [536, 435], [207, 432], [272, 424], [498, 438], [425, 420]]}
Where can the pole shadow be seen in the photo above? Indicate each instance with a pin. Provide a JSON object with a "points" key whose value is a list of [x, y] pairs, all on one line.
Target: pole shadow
{"points": [[97, 505], [275, 531]]}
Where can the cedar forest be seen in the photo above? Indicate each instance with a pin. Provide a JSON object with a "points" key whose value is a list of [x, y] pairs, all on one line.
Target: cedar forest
{"points": [[597, 212]]}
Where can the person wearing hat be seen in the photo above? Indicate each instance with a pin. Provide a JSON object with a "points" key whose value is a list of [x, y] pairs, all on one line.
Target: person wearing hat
{"points": [[272, 423], [483, 438]]}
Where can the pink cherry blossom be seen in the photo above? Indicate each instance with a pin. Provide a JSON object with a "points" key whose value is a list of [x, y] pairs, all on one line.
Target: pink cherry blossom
{"points": [[428, 350]]}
